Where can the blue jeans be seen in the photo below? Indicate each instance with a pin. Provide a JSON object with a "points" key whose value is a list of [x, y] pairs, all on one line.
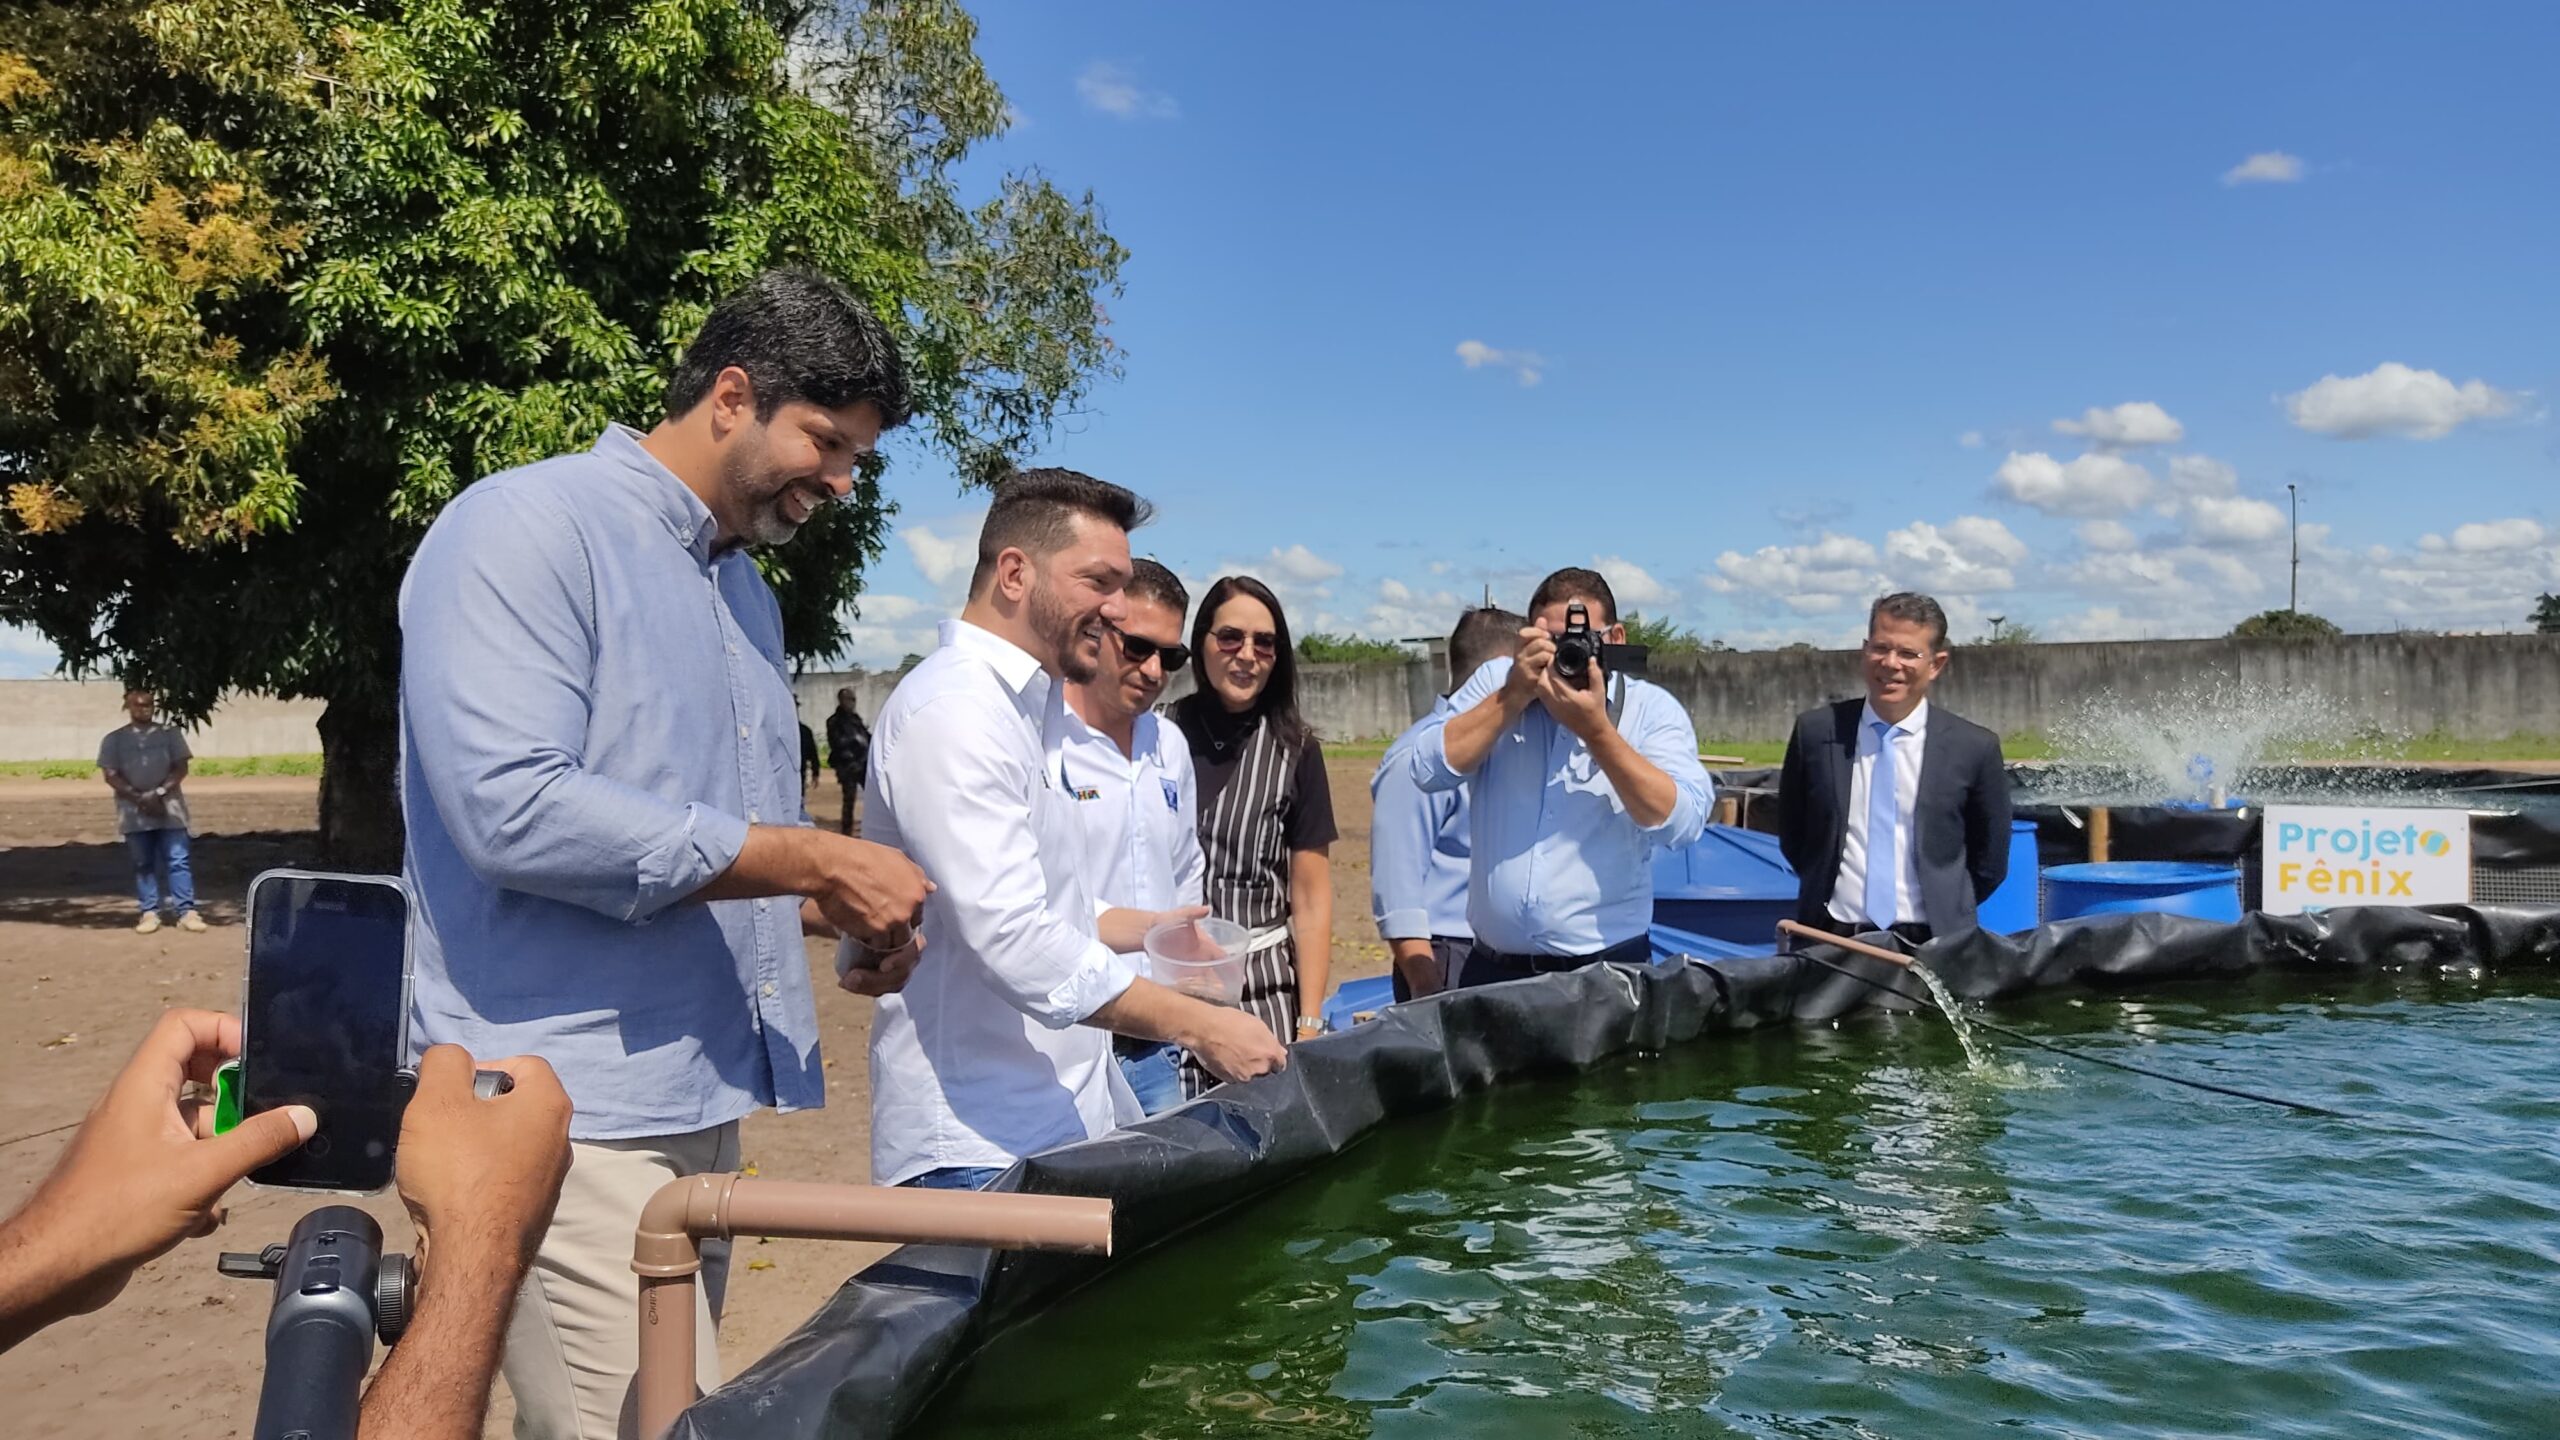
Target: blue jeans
{"points": [[1155, 1072], [955, 1177], [156, 850]]}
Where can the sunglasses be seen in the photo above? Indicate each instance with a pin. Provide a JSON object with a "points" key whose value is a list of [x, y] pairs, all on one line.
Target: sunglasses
{"points": [[1139, 648], [1230, 639]]}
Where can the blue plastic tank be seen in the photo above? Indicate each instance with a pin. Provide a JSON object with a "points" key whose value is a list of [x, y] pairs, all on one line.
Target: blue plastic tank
{"points": [[2012, 907], [2134, 887], [1733, 885]]}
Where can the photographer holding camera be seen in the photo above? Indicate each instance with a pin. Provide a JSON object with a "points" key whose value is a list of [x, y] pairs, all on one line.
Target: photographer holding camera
{"points": [[1576, 777], [145, 1172]]}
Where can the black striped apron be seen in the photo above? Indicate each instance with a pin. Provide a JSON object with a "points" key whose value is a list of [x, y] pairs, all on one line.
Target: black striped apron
{"points": [[1247, 882]]}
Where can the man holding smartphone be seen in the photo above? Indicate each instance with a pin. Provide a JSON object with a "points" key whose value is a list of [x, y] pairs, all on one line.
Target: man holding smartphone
{"points": [[600, 775], [144, 762]]}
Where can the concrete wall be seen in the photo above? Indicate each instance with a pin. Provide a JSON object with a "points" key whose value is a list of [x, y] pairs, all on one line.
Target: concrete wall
{"points": [[65, 719], [2471, 687]]}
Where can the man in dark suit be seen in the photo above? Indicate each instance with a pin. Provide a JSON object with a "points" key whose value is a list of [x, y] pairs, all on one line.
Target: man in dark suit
{"points": [[1894, 812]]}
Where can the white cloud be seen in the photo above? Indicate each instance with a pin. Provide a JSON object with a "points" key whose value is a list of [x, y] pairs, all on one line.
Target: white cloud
{"points": [[2202, 475], [1299, 565], [26, 655], [2267, 167], [1112, 90], [2125, 427], [889, 609], [1526, 365], [2101, 622], [2393, 399], [1971, 439], [2091, 484], [2484, 537], [2107, 535], [1635, 587], [2232, 520], [1403, 612], [1970, 555], [946, 551], [1811, 579]]}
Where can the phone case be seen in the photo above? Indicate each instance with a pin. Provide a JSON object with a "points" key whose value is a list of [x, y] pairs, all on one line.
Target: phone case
{"points": [[408, 980]]}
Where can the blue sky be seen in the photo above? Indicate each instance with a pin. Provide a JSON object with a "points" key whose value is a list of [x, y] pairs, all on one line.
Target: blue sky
{"points": [[1774, 306], [1767, 309]]}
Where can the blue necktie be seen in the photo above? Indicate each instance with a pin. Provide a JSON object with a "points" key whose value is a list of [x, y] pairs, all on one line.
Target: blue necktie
{"points": [[1884, 851]]}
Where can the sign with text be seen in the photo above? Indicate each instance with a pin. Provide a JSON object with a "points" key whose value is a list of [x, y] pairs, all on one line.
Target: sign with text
{"points": [[2322, 857]]}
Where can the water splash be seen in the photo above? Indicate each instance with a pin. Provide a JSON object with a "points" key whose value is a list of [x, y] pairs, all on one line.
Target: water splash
{"points": [[1982, 1062], [1977, 1056], [2215, 743]]}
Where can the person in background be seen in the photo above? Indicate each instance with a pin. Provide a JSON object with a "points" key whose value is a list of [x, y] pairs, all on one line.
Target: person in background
{"points": [[848, 753], [145, 1171], [1572, 787], [810, 768], [144, 763], [1266, 809], [999, 1046], [606, 840], [1894, 811], [1418, 840], [1137, 801]]}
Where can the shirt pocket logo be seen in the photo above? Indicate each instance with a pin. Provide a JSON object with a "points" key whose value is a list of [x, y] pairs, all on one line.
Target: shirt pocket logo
{"points": [[1172, 796]]}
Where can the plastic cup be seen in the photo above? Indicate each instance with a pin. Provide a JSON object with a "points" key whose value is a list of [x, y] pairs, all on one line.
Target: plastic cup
{"points": [[1203, 959]]}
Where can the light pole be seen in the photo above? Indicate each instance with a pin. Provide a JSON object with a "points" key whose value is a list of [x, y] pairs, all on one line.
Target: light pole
{"points": [[2293, 589]]}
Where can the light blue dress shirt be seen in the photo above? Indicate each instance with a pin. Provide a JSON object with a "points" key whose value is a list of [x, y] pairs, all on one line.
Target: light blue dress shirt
{"points": [[593, 709], [1560, 868], [1418, 846]]}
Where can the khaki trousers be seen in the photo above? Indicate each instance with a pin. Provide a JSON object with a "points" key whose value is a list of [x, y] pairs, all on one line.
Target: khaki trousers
{"points": [[573, 1342]]}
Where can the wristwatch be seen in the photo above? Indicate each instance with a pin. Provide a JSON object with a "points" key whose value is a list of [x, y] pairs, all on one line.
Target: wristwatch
{"points": [[1310, 1025]]}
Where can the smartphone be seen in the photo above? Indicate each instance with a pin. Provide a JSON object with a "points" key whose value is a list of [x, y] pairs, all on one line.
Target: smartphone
{"points": [[326, 1023]]}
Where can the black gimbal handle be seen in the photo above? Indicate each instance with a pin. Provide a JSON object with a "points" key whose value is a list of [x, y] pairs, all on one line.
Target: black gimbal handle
{"points": [[320, 1330]]}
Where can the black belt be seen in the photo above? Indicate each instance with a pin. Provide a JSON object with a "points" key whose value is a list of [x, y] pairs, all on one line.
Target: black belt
{"points": [[1638, 951]]}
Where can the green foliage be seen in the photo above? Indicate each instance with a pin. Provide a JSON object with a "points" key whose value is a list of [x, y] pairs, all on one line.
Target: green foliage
{"points": [[279, 277], [2284, 625], [2546, 614], [1322, 648], [1666, 636], [2004, 631]]}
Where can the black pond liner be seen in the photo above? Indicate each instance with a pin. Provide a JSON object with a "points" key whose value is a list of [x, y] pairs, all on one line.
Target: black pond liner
{"points": [[868, 1361]]}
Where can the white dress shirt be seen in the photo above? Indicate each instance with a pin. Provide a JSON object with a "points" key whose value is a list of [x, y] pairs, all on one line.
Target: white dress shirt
{"points": [[980, 1059], [1140, 814], [1849, 891]]}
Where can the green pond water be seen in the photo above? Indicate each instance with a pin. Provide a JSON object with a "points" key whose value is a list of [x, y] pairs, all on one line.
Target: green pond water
{"points": [[1846, 1231]]}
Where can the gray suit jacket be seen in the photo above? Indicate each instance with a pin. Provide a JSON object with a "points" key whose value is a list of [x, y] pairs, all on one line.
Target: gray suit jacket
{"points": [[1961, 819]]}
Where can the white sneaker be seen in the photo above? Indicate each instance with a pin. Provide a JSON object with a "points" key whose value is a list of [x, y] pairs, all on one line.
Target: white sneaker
{"points": [[192, 923], [149, 924]]}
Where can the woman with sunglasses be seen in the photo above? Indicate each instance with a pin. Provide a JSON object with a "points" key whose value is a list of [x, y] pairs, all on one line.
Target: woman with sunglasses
{"points": [[1266, 812]]}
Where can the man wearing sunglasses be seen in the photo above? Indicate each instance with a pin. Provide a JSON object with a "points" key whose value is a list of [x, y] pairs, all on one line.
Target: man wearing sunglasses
{"points": [[1573, 784], [1137, 801]]}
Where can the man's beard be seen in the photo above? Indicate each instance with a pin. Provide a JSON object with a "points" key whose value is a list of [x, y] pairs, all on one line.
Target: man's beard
{"points": [[1062, 630], [756, 493]]}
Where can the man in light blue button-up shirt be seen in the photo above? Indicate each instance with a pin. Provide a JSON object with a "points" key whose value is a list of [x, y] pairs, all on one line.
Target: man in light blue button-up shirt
{"points": [[1572, 789], [1419, 840], [600, 778]]}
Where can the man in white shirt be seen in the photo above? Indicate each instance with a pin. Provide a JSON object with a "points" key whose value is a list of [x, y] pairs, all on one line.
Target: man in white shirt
{"points": [[999, 1044], [1894, 811], [1136, 799]]}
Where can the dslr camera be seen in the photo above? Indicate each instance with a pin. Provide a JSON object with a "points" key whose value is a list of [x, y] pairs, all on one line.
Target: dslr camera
{"points": [[1579, 645]]}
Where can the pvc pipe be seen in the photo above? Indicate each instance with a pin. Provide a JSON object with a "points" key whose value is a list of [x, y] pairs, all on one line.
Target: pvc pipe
{"points": [[666, 1253], [1854, 947]]}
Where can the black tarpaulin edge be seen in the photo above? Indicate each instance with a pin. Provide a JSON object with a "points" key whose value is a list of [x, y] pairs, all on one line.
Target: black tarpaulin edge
{"points": [[874, 1355]]}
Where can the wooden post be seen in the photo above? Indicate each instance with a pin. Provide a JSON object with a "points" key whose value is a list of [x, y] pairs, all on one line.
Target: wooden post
{"points": [[1728, 809], [2101, 833]]}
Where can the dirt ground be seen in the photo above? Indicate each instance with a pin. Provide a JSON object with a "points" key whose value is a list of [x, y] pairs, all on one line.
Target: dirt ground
{"points": [[179, 1354]]}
